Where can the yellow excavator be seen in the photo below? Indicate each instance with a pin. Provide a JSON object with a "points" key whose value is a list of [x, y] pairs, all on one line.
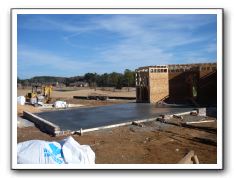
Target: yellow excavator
{"points": [[39, 93]]}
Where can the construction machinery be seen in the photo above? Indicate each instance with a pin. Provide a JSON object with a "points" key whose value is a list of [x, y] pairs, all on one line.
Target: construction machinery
{"points": [[39, 93]]}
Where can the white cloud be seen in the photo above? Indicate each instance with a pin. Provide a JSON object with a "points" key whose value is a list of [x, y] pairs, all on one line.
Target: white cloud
{"points": [[148, 28], [144, 43]]}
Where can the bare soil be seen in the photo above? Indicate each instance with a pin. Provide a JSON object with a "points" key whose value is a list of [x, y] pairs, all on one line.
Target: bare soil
{"points": [[69, 93], [29, 108], [154, 143]]}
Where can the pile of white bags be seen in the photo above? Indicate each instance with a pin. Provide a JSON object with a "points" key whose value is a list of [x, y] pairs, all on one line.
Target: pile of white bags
{"points": [[68, 151], [60, 104]]}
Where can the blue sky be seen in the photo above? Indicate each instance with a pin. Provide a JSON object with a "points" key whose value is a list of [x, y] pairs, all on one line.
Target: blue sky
{"points": [[71, 45]]}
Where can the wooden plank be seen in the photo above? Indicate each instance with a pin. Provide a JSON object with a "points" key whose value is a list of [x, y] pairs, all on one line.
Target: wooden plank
{"points": [[189, 158], [199, 122]]}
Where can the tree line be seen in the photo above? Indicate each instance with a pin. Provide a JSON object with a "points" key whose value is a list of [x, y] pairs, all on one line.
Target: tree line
{"points": [[114, 79]]}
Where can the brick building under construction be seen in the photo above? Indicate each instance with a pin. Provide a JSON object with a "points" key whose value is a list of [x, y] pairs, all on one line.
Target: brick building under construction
{"points": [[180, 83]]}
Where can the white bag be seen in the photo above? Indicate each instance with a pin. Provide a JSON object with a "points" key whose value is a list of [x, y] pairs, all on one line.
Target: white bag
{"points": [[60, 104], [39, 152], [68, 151], [74, 153], [21, 100]]}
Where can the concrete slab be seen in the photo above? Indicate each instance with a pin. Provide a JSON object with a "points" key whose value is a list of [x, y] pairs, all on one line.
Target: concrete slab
{"points": [[106, 116]]}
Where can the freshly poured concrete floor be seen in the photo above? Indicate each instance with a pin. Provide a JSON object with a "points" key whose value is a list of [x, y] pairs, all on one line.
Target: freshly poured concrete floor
{"points": [[87, 118]]}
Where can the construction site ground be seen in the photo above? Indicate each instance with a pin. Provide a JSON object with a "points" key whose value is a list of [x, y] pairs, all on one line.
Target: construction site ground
{"points": [[154, 143]]}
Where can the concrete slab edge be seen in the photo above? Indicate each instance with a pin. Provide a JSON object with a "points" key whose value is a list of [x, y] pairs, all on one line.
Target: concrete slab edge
{"points": [[43, 124], [116, 125], [199, 122], [183, 113]]}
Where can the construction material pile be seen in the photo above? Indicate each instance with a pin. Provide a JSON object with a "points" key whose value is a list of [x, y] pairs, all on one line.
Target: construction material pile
{"points": [[67, 151]]}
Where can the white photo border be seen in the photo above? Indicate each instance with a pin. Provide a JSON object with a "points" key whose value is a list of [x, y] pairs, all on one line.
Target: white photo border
{"points": [[220, 145]]}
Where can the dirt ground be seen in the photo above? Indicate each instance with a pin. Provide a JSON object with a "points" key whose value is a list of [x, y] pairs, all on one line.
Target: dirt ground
{"points": [[154, 143], [67, 95], [70, 92]]}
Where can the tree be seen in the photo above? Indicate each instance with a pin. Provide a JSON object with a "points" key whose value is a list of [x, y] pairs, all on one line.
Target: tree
{"points": [[120, 82], [26, 83], [103, 80], [114, 78], [129, 77], [91, 78], [18, 80]]}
